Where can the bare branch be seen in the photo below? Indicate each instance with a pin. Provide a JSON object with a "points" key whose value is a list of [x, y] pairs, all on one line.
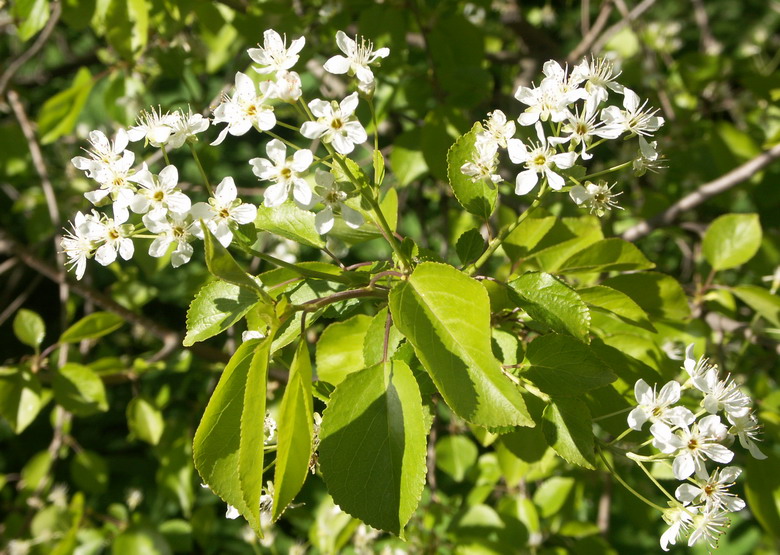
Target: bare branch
{"points": [[704, 193], [638, 10], [593, 33]]}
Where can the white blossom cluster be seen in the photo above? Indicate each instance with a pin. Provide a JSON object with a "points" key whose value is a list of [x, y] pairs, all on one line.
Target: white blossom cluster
{"points": [[168, 215], [573, 105], [692, 440]]}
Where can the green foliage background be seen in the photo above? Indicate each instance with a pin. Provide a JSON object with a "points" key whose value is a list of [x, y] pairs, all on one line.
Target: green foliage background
{"points": [[123, 445]]}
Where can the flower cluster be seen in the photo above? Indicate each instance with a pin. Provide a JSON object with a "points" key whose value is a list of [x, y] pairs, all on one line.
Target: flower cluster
{"points": [[572, 104], [690, 440], [168, 215]]}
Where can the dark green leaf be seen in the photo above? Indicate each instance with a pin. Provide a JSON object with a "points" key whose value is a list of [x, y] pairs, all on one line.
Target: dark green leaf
{"points": [[92, 326], [445, 315], [568, 427], [79, 390], [223, 265], [21, 397], [372, 450], [613, 301], [657, 294], [469, 246], [478, 197], [89, 471]]}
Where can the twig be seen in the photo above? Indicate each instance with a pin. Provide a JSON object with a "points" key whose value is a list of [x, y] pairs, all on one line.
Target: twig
{"points": [[13, 67], [638, 10], [704, 193], [20, 299], [590, 37], [706, 39]]}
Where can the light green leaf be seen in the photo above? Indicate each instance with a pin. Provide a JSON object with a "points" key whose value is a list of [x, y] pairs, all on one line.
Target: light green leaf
{"points": [[340, 349], [29, 328], [140, 539], [290, 222], [79, 390], [374, 340], [613, 301], [145, 420], [372, 449], [223, 265], [127, 27], [731, 240], [608, 255], [760, 300], [445, 315], [455, 455], [469, 246], [566, 237], [21, 398], [296, 432], [217, 306], [527, 235], [228, 442], [59, 114], [552, 494], [379, 167], [478, 198], [657, 294], [33, 15], [763, 491], [89, 472], [406, 158], [563, 366], [568, 427], [547, 299], [92, 326]]}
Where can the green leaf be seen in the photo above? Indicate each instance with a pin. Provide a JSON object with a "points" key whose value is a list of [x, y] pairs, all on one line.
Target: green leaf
{"points": [[89, 472], [140, 539], [29, 328], [478, 197], [731, 240], [547, 299], [762, 301], [763, 491], [21, 398], [340, 349], [406, 158], [291, 222], [657, 294], [217, 306], [79, 390], [127, 27], [455, 455], [379, 167], [608, 255], [613, 301], [552, 495], [145, 421], [59, 114], [92, 326], [374, 340], [469, 246], [372, 449], [296, 432], [566, 237], [445, 315], [527, 235], [568, 427], [563, 366], [32, 14], [223, 265], [228, 445]]}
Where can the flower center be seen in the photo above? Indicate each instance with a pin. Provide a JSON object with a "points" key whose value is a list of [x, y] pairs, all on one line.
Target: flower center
{"points": [[337, 123], [251, 110], [224, 213], [286, 173], [708, 490], [113, 234], [540, 160], [693, 444], [178, 231], [158, 196]]}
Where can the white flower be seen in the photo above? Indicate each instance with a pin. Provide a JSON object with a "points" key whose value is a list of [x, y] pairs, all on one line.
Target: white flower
{"points": [[746, 428], [186, 126], [708, 526], [679, 520], [599, 75], [159, 193], [252, 334], [269, 429], [245, 109], [658, 407], [332, 197], [171, 228], [712, 491], [114, 180], [274, 55], [285, 173], [232, 513], [287, 86], [597, 197], [697, 370], [77, 245], [634, 120], [358, 58], [484, 164], [336, 124], [539, 160], [113, 235], [223, 212], [723, 395], [154, 126], [691, 446], [103, 153], [648, 160], [580, 127], [497, 129], [550, 99]]}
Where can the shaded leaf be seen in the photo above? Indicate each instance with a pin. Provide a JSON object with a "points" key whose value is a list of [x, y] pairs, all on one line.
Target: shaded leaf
{"points": [[92, 326], [217, 306], [567, 426]]}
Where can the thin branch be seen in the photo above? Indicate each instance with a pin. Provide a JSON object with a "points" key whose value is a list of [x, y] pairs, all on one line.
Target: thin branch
{"points": [[638, 10], [590, 37], [13, 67], [703, 193]]}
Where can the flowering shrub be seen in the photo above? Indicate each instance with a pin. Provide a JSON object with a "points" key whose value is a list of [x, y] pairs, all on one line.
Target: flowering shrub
{"points": [[467, 393]]}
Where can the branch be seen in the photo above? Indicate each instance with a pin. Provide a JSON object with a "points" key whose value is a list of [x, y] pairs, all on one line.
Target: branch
{"points": [[13, 67], [590, 37], [704, 193], [638, 10]]}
